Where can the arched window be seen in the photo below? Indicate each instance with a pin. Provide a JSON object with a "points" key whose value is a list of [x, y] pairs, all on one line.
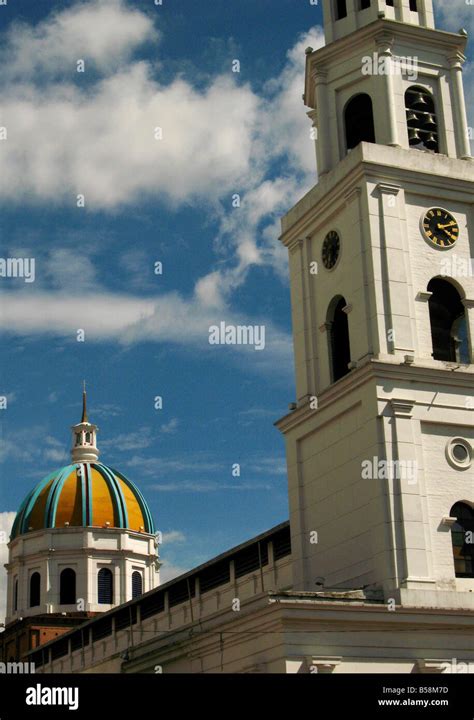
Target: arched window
{"points": [[421, 119], [340, 7], [462, 536], [67, 587], [35, 589], [15, 595], [137, 584], [339, 346], [448, 322], [359, 121], [105, 586]]}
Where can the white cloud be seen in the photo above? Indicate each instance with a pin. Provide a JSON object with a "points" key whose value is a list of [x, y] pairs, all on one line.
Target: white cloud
{"points": [[453, 14], [107, 410], [98, 139], [170, 427], [137, 440], [162, 466], [205, 486], [69, 270], [100, 142], [6, 522], [173, 536], [126, 319], [102, 33], [168, 571], [29, 445]]}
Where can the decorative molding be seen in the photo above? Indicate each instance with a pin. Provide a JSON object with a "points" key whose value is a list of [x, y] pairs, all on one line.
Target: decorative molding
{"points": [[353, 194], [457, 60], [388, 188], [468, 303], [319, 73], [384, 42], [325, 327], [402, 408], [295, 245], [423, 296], [347, 308]]}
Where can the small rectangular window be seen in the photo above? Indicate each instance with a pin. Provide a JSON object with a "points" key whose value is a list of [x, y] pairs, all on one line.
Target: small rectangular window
{"points": [[364, 4], [413, 5], [390, 3], [341, 9]]}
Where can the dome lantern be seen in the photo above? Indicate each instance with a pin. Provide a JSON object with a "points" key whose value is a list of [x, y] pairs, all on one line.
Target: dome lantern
{"points": [[84, 437]]}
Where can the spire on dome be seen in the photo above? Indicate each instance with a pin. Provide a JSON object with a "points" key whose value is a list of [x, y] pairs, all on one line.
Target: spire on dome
{"points": [[84, 404], [84, 436]]}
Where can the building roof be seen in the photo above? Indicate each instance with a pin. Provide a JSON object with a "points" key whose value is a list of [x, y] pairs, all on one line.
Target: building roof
{"points": [[247, 557]]}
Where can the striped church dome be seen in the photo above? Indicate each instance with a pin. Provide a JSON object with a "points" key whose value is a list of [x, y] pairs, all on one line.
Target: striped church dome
{"points": [[84, 494]]}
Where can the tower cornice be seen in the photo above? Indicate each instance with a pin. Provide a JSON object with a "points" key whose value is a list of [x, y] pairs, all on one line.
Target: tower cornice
{"points": [[390, 164], [436, 374]]}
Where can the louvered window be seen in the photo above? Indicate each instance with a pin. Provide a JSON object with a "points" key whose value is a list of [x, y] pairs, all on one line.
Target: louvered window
{"points": [[105, 586], [137, 584]]}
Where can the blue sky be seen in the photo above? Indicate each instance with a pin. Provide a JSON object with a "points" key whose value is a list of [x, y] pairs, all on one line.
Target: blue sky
{"points": [[151, 200]]}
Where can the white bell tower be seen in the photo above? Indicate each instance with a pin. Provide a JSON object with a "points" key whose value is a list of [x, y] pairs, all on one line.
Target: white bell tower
{"points": [[380, 444]]}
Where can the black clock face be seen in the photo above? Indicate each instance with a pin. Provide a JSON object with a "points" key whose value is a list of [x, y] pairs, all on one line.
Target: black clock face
{"points": [[331, 248], [440, 228]]}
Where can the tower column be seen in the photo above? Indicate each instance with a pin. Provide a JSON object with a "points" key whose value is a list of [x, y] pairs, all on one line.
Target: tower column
{"points": [[386, 89], [459, 106], [397, 333], [323, 144], [406, 483]]}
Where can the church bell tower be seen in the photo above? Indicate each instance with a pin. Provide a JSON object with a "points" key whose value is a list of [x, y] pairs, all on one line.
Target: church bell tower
{"points": [[380, 440]]}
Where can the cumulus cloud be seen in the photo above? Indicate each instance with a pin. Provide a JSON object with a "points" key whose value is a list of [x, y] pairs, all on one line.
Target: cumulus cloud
{"points": [[102, 33], [123, 137]]}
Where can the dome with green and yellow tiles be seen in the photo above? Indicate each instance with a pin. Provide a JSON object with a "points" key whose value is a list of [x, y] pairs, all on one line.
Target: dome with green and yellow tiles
{"points": [[85, 493]]}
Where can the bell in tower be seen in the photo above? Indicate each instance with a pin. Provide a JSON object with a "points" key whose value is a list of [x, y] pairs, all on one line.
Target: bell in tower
{"points": [[386, 76]]}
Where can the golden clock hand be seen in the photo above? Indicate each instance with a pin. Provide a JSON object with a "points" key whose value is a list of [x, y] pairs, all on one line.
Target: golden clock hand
{"points": [[450, 236], [442, 227]]}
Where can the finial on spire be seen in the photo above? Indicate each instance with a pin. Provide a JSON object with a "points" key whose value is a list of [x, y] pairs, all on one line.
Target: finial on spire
{"points": [[84, 404]]}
